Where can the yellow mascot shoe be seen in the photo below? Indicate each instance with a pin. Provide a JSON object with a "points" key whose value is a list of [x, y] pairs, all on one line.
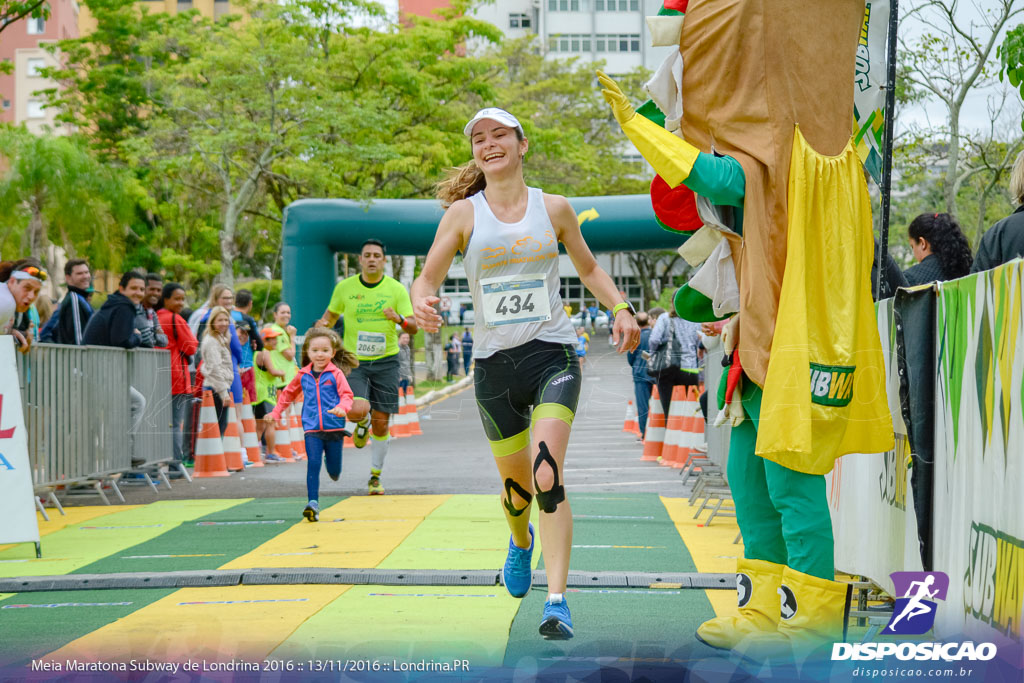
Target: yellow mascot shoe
{"points": [[814, 614], [757, 586]]}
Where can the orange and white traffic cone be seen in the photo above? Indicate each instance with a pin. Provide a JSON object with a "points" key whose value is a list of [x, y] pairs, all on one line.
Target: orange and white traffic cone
{"points": [[250, 442], [631, 426], [686, 443], [232, 440], [414, 415], [672, 450], [283, 440], [298, 436], [654, 437], [397, 428], [209, 451], [693, 435]]}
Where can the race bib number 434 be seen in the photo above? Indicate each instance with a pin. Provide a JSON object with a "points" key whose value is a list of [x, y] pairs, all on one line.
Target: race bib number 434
{"points": [[512, 299]]}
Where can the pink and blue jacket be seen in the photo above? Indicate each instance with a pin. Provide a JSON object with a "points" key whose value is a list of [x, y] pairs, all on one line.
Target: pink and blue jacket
{"points": [[319, 395]]}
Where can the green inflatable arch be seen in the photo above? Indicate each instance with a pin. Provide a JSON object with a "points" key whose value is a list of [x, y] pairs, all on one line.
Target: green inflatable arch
{"points": [[316, 229]]}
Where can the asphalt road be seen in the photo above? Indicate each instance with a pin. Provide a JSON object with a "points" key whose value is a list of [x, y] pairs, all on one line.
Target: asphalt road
{"points": [[452, 455]]}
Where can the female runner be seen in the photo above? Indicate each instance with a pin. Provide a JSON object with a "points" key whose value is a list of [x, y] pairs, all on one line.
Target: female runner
{"points": [[524, 343]]}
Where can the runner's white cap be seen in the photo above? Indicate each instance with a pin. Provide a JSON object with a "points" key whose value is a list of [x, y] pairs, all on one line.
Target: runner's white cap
{"points": [[495, 114]]}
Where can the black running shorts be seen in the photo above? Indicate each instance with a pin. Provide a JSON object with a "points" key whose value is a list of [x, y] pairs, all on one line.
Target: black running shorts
{"points": [[544, 376], [377, 382]]}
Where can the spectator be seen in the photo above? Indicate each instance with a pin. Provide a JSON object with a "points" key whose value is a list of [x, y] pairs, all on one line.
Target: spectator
{"points": [[1005, 240], [253, 344], [940, 248], [453, 350], [114, 325], [218, 372], [224, 297], [679, 339], [642, 382], [593, 310], [44, 309], [268, 380], [146, 320], [68, 325], [467, 349], [285, 350], [182, 344], [446, 309], [892, 276], [405, 376], [582, 345], [20, 283]]}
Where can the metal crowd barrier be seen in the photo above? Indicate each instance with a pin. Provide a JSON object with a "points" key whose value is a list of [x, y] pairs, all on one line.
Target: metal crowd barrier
{"points": [[78, 413]]}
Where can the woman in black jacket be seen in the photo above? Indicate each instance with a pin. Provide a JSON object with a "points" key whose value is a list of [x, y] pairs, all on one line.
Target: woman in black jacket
{"points": [[940, 247]]}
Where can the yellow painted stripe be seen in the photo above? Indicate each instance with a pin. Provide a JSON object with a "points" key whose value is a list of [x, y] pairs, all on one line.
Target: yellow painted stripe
{"points": [[357, 532], [237, 622], [80, 544], [409, 624], [710, 547], [75, 515]]}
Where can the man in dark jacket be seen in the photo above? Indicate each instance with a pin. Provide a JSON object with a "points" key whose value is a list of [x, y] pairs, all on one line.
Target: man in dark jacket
{"points": [[68, 325], [114, 325]]}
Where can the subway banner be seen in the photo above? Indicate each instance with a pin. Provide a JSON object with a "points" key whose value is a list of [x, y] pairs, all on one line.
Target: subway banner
{"points": [[868, 493], [979, 446], [869, 86]]}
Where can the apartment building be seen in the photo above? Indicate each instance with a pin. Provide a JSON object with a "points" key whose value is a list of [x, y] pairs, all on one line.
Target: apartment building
{"points": [[22, 44]]}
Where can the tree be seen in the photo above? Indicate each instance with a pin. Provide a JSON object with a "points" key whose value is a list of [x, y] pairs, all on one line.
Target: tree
{"points": [[1011, 60], [12, 11], [948, 60], [54, 189], [654, 270]]}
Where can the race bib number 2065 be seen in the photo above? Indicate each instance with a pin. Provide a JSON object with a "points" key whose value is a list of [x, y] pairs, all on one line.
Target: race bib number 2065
{"points": [[514, 299]]}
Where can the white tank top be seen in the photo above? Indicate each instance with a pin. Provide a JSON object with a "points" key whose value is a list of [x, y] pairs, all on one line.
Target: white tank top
{"points": [[512, 270], [8, 307]]}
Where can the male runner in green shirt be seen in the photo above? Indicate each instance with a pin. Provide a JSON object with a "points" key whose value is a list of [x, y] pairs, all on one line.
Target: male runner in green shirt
{"points": [[373, 304]]}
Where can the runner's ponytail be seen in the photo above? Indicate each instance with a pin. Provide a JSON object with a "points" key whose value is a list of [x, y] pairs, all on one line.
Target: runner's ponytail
{"points": [[460, 182]]}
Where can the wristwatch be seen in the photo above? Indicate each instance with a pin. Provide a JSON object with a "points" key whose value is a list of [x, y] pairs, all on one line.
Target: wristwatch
{"points": [[624, 305]]}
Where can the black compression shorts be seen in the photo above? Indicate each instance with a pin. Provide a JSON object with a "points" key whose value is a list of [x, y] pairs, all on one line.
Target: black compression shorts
{"points": [[544, 376]]}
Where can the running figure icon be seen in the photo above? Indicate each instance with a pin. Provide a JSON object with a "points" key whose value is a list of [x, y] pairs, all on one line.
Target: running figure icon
{"points": [[915, 607]]}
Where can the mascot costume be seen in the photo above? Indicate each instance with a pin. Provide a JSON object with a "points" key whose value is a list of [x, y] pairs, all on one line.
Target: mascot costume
{"points": [[749, 131]]}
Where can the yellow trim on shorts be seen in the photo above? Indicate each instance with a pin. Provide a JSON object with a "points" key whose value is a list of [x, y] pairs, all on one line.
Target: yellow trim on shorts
{"points": [[512, 444], [555, 410]]}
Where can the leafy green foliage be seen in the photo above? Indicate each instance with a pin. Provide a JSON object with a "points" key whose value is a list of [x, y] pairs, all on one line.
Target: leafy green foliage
{"points": [[16, 10], [1011, 60]]}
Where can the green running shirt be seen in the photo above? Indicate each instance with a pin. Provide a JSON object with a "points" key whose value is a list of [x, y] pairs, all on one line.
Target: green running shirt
{"points": [[368, 333]]}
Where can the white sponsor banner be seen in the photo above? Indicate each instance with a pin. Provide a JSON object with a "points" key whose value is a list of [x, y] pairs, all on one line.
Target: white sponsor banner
{"points": [[869, 86], [17, 507], [873, 518], [979, 446]]}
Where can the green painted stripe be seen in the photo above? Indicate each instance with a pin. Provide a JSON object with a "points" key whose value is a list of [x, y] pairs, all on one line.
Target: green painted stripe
{"points": [[30, 632], [607, 519], [210, 541], [465, 532], [82, 544], [407, 624]]}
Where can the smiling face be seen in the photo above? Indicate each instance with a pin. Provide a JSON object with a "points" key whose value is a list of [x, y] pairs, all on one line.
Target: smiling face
{"points": [[80, 276], [320, 352], [134, 290], [176, 301], [283, 315], [226, 299], [154, 288], [221, 323], [496, 148]]}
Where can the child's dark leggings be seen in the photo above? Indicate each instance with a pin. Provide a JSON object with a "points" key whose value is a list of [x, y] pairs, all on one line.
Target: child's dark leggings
{"points": [[317, 451]]}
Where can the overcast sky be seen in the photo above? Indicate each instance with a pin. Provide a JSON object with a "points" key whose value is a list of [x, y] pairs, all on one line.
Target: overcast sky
{"points": [[974, 114]]}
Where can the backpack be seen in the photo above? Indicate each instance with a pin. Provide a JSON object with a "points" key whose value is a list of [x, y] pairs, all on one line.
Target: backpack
{"points": [[669, 353]]}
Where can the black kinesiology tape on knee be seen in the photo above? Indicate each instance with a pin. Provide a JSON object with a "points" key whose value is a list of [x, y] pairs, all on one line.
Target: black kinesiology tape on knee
{"points": [[511, 485], [547, 500]]}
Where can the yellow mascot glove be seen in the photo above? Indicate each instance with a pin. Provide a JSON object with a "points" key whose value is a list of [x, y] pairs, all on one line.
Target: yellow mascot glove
{"points": [[671, 156]]}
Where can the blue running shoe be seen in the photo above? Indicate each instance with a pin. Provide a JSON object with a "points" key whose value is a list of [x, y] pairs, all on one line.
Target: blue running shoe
{"points": [[518, 572], [556, 624]]}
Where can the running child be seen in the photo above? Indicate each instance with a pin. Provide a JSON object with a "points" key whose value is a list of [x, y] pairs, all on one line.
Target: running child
{"points": [[328, 398], [268, 378]]}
